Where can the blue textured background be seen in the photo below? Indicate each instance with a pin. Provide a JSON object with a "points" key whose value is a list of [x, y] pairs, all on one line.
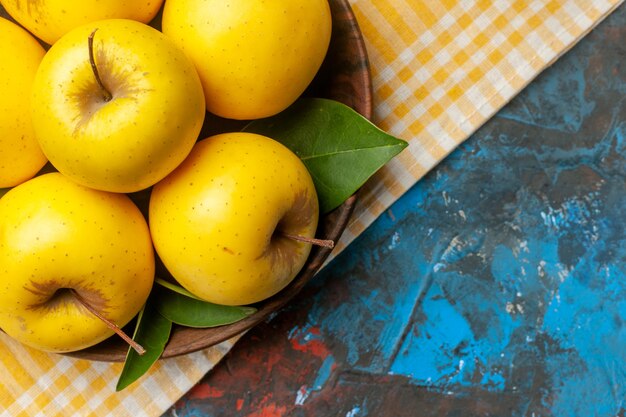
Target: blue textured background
{"points": [[495, 286]]}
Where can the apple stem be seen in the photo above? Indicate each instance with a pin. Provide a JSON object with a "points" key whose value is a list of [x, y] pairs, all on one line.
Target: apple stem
{"points": [[106, 94], [138, 348], [317, 242]]}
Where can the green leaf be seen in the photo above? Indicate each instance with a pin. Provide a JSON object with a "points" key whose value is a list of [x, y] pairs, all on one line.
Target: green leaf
{"points": [[175, 288], [192, 312], [152, 332], [340, 148]]}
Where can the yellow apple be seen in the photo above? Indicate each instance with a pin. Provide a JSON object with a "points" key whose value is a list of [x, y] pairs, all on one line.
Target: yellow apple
{"points": [[220, 221], [58, 238], [20, 55], [254, 57], [51, 19], [135, 128]]}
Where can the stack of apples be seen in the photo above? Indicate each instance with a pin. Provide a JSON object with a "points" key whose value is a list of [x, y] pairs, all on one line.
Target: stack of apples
{"points": [[116, 107]]}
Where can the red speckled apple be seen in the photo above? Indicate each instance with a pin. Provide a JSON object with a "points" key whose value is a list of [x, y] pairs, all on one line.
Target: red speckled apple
{"points": [[59, 241], [221, 221]]}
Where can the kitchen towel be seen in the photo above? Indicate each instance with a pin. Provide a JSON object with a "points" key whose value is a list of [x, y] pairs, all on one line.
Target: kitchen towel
{"points": [[440, 69]]}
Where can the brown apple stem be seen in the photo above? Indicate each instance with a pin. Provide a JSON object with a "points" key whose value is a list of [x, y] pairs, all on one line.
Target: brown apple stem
{"points": [[107, 96], [317, 242], [138, 348]]}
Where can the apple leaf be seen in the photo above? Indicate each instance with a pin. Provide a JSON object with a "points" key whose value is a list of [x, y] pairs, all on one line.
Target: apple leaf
{"points": [[340, 148], [192, 312], [152, 332], [175, 288]]}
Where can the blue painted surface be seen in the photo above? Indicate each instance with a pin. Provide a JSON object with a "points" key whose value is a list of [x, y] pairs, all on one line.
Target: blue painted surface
{"points": [[495, 286]]}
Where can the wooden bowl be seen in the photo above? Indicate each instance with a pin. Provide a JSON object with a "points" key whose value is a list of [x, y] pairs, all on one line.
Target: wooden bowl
{"points": [[345, 77]]}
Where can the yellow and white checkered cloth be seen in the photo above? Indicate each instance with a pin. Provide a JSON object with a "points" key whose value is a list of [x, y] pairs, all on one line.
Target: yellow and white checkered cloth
{"points": [[440, 69]]}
